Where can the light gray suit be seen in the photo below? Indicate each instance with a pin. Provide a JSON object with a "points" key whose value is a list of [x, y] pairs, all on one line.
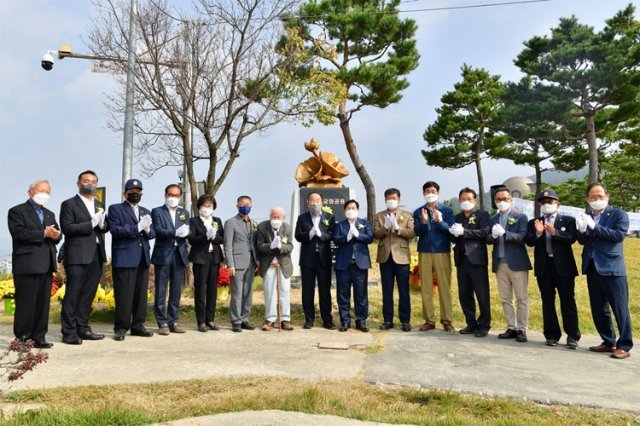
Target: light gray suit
{"points": [[240, 252]]}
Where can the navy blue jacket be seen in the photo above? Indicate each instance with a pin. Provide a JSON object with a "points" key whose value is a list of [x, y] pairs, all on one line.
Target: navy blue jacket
{"points": [[358, 247], [128, 245], [433, 237], [166, 235], [515, 251], [604, 243]]}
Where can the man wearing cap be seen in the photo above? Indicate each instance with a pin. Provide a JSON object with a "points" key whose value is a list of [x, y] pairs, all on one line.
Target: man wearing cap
{"points": [[131, 229], [555, 269]]}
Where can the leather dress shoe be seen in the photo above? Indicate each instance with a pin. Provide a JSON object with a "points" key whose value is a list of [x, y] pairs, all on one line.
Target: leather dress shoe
{"points": [[427, 326], [286, 325], [236, 328], [481, 332], [267, 326], [449, 328], [572, 343], [620, 354], [602, 348], [175, 328], [211, 326], [551, 342], [522, 336], [90, 335], [469, 329], [118, 335], [386, 326], [308, 325], [362, 326], [329, 326], [344, 327], [203, 328], [142, 332], [164, 330], [406, 326], [247, 326], [508, 334], [42, 344], [72, 339]]}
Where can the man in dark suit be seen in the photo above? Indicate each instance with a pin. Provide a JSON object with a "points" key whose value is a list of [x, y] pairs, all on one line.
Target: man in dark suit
{"points": [[131, 229], [83, 223], [314, 231], [274, 247], [602, 233], [35, 233], [170, 256], [353, 236], [555, 268], [511, 264], [469, 233]]}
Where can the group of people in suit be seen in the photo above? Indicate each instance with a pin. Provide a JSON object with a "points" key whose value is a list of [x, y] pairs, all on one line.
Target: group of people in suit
{"points": [[248, 247]]}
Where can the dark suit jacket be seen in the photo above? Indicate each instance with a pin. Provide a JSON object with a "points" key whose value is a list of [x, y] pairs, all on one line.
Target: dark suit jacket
{"points": [[264, 236], [308, 246], [605, 242], [200, 244], [166, 235], [357, 246], [79, 236], [32, 252], [514, 248], [473, 243], [565, 235], [127, 244]]}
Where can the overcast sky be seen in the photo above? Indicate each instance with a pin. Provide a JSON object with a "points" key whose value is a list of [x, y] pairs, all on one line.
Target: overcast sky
{"points": [[52, 124]]}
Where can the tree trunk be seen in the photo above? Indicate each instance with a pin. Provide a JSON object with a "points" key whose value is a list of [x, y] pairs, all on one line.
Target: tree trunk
{"points": [[478, 162], [536, 205], [360, 169]]}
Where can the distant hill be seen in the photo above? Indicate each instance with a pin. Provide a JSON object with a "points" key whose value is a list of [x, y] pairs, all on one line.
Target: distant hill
{"points": [[554, 177]]}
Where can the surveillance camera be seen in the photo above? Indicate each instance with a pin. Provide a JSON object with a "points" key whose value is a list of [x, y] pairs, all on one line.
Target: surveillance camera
{"points": [[47, 61]]}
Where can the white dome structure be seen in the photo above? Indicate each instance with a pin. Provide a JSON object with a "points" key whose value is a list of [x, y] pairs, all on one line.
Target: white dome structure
{"points": [[520, 186]]}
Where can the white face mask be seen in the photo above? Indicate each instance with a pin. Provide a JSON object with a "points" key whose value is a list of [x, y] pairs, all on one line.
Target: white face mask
{"points": [[41, 198], [503, 206], [351, 214], [598, 204], [275, 223], [467, 205], [549, 208], [206, 211], [431, 198], [172, 202], [392, 204]]}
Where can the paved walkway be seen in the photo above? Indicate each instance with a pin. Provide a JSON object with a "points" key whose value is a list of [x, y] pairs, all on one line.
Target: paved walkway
{"points": [[433, 360]]}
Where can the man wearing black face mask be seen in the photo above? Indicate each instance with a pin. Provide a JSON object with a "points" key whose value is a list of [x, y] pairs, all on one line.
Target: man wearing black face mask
{"points": [[82, 219], [131, 229]]}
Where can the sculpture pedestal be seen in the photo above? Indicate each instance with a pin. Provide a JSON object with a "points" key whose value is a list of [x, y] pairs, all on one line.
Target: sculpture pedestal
{"points": [[334, 198]]}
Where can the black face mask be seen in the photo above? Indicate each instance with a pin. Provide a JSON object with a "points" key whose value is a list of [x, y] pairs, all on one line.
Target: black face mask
{"points": [[88, 189], [134, 197]]}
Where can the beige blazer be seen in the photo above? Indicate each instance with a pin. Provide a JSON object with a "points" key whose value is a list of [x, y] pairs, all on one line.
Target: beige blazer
{"points": [[394, 242]]}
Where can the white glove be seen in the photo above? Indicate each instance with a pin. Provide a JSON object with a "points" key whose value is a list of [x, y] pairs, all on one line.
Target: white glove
{"points": [[95, 219], [211, 232], [354, 231], [437, 216], [388, 222], [317, 231], [182, 231], [144, 224], [581, 224], [497, 231], [394, 222], [456, 229], [589, 221], [103, 217], [275, 244]]}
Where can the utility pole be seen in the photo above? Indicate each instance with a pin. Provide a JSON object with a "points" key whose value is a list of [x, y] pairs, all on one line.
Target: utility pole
{"points": [[127, 144]]}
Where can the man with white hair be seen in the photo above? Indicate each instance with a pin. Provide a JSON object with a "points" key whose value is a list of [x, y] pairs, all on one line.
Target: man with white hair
{"points": [[274, 250], [35, 234]]}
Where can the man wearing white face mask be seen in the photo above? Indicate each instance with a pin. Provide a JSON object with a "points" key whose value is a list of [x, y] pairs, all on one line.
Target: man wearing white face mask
{"points": [[35, 233], [469, 234], [431, 225], [555, 268], [602, 233], [170, 257], [511, 264], [393, 228], [274, 248]]}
